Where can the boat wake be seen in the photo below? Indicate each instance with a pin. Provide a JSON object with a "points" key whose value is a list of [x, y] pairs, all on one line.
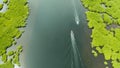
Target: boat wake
{"points": [[77, 20], [76, 58]]}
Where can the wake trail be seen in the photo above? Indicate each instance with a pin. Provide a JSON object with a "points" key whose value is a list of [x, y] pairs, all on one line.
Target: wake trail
{"points": [[76, 15], [76, 63]]}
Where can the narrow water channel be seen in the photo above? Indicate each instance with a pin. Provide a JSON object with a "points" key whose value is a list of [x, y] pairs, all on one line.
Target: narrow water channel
{"points": [[54, 26]]}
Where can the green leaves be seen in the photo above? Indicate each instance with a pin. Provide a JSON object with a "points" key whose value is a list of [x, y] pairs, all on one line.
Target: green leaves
{"points": [[5, 1], [104, 19], [107, 19], [1, 6], [10, 22]]}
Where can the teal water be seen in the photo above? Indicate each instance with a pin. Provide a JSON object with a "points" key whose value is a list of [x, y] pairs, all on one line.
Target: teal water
{"points": [[48, 34]]}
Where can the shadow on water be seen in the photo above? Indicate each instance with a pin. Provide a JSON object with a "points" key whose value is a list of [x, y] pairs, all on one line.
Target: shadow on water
{"points": [[50, 44]]}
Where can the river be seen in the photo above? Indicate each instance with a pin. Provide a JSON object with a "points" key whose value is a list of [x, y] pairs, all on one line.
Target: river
{"points": [[47, 38]]}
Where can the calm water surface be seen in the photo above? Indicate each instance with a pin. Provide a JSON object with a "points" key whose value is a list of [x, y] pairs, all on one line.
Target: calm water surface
{"points": [[48, 36]]}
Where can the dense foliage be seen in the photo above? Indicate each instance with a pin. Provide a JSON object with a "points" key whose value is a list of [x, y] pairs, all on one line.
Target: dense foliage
{"points": [[104, 19], [11, 20]]}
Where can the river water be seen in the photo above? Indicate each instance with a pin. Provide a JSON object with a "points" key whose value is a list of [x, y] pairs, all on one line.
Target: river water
{"points": [[47, 40]]}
